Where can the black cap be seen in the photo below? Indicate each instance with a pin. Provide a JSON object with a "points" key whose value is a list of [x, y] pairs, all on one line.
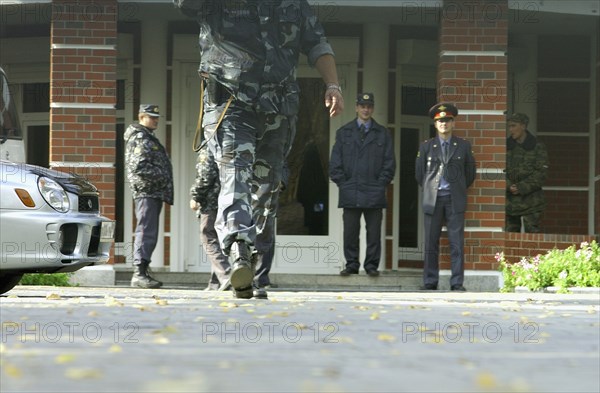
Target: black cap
{"points": [[365, 99], [149, 109], [443, 110], [518, 118]]}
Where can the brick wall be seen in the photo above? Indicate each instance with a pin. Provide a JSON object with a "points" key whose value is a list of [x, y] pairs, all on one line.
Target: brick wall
{"points": [[83, 93], [472, 73], [519, 245]]}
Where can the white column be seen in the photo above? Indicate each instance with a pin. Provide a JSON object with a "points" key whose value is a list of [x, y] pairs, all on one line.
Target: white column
{"points": [[153, 91], [375, 68], [375, 80]]}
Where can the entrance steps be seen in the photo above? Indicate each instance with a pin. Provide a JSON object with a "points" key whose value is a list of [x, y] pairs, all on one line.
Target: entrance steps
{"points": [[405, 280]]}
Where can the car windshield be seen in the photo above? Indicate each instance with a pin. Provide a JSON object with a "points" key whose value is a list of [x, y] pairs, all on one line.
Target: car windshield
{"points": [[9, 122]]}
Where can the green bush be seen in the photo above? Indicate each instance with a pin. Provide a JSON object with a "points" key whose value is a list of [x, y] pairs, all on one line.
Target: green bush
{"points": [[53, 279], [571, 267]]}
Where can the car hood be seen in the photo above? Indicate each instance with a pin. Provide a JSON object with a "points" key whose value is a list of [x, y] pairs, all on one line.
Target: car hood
{"points": [[72, 182]]}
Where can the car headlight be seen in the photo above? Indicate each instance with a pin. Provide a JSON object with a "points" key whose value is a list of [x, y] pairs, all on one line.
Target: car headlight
{"points": [[54, 194]]}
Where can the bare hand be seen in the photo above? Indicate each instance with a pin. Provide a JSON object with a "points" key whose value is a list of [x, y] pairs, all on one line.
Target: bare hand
{"points": [[514, 190], [334, 101], [194, 205]]}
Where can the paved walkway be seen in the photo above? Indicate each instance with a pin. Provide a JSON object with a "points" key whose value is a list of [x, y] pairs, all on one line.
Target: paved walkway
{"points": [[128, 340]]}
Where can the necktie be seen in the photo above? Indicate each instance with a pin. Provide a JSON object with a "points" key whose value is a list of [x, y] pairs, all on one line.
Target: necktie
{"points": [[445, 151], [363, 132]]}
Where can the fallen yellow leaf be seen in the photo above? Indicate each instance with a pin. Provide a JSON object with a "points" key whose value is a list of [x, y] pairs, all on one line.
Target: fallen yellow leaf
{"points": [[82, 373], [161, 340], [486, 381], [386, 337], [13, 371], [115, 349], [64, 358]]}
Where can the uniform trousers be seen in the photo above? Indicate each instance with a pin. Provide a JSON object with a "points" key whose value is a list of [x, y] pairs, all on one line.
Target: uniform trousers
{"points": [[249, 148], [147, 213], [351, 217], [219, 263], [455, 224], [265, 246], [531, 223]]}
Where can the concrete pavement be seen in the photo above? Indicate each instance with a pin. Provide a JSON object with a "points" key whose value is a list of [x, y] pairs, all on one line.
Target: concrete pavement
{"points": [[132, 340]]}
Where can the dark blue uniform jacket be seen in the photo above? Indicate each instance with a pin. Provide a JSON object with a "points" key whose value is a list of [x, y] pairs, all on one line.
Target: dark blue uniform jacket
{"points": [[362, 169]]}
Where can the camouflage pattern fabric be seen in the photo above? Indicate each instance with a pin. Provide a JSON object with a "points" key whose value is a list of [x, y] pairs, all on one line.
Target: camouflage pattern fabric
{"points": [[206, 187], [249, 150], [250, 50], [149, 169], [526, 166]]}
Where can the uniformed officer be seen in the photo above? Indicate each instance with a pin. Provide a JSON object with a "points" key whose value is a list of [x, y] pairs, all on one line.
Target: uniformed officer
{"points": [[445, 168], [249, 58], [362, 165], [526, 167], [150, 177]]}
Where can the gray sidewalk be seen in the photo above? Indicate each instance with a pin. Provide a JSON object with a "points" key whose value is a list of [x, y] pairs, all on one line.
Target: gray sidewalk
{"points": [[121, 339]]}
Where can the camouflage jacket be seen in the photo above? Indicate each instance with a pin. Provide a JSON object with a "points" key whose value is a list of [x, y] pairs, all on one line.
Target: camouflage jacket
{"points": [[149, 169], [526, 166], [252, 47], [206, 187]]}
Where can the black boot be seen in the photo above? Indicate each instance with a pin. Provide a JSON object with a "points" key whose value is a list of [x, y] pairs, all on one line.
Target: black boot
{"points": [[141, 279], [242, 273], [149, 271], [258, 292]]}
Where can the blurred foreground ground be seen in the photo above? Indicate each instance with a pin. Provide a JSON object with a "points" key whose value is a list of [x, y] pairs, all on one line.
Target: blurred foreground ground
{"points": [[175, 340]]}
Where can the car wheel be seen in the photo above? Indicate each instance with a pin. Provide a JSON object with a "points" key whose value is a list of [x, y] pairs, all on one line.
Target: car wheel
{"points": [[8, 281]]}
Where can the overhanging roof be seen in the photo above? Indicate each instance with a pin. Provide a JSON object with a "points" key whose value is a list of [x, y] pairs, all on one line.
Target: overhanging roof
{"points": [[580, 7]]}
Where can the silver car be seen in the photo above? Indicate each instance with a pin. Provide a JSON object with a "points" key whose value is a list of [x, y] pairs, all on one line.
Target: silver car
{"points": [[49, 223]]}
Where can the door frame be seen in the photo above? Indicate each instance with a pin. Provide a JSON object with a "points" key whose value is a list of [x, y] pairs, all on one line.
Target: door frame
{"points": [[422, 124]]}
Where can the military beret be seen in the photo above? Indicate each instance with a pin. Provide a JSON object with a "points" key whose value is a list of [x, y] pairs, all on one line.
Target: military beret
{"points": [[365, 99], [519, 118], [443, 111], [148, 109]]}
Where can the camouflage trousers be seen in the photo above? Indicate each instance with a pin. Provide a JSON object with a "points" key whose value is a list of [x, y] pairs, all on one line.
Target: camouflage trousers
{"points": [[531, 223], [249, 147]]}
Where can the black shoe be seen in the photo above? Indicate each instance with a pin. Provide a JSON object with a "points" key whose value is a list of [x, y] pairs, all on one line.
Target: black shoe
{"points": [[428, 287], [246, 293], [373, 273], [346, 272], [458, 287]]}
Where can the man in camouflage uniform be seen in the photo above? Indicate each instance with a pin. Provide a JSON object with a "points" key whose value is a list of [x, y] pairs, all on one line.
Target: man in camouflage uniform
{"points": [[205, 193], [249, 56], [150, 177], [526, 167]]}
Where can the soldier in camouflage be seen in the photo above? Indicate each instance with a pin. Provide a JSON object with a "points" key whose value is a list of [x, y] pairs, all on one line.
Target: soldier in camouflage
{"points": [[249, 56], [526, 167], [150, 177], [204, 195]]}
